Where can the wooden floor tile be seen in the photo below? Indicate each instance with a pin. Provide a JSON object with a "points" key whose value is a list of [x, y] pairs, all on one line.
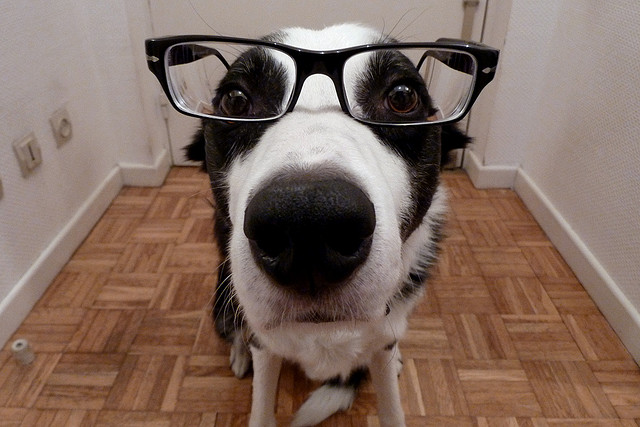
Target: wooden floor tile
{"points": [[620, 380], [80, 381], [152, 419], [541, 338], [567, 389], [479, 337], [142, 383], [143, 258], [191, 291], [427, 337], [209, 387], [193, 258], [96, 257], [441, 389], [569, 296], [520, 295], [463, 295], [547, 262], [457, 261], [130, 291], [503, 261], [73, 290], [487, 232], [106, 331], [507, 336], [21, 386], [494, 388], [595, 337], [50, 329], [167, 332]]}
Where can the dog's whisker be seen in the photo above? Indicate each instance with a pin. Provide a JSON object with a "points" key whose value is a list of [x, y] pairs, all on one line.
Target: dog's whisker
{"points": [[391, 32], [199, 193], [411, 24], [195, 10], [211, 301]]}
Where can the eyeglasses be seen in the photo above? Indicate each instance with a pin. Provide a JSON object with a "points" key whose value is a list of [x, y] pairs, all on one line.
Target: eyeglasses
{"points": [[245, 80]]}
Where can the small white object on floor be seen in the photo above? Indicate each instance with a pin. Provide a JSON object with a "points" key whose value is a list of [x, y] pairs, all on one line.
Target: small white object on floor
{"points": [[22, 352]]}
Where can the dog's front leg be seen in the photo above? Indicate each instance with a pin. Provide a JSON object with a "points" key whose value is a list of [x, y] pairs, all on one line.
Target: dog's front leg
{"points": [[266, 371], [384, 375]]}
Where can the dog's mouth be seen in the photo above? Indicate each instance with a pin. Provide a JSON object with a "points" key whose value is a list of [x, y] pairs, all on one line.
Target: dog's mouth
{"points": [[316, 318], [320, 317]]}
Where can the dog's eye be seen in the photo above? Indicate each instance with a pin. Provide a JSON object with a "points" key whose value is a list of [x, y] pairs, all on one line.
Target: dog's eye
{"points": [[235, 103], [402, 99]]}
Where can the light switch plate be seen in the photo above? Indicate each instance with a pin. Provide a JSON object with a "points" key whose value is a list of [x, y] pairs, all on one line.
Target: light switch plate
{"points": [[61, 126], [28, 153]]}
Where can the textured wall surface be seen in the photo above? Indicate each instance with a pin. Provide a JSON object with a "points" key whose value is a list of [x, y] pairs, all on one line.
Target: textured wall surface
{"points": [[566, 113], [584, 147], [54, 54]]}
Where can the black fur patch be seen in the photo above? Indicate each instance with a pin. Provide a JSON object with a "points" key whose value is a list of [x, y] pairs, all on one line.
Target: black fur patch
{"points": [[452, 138], [421, 272], [355, 379], [390, 346]]}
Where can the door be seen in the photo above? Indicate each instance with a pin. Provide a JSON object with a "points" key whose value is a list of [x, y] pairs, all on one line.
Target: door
{"points": [[406, 20]]}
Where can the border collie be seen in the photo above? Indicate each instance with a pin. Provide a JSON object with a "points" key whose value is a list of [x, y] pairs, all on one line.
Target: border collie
{"points": [[324, 150]]}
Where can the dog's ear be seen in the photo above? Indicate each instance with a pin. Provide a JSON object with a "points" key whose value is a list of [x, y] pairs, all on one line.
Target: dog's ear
{"points": [[451, 139], [195, 150]]}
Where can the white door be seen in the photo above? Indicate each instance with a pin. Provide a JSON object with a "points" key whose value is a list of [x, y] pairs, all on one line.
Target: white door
{"points": [[406, 20]]}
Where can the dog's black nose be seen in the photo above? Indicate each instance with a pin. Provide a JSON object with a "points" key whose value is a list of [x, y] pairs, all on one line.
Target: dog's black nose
{"points": [[309, 234]]}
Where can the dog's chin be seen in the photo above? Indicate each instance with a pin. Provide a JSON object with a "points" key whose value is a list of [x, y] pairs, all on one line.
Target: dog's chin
{"points": [[287, 308], [306, 315]]}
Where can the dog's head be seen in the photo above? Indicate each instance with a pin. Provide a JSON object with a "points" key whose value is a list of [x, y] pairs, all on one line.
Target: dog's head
{"points": [[325, 211]]}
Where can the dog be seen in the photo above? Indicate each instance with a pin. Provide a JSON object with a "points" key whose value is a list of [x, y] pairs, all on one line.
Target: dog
{"points": [[328, 227]]}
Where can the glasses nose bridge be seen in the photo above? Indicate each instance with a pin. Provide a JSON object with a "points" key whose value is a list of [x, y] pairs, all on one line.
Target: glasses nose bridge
{"points": [[329, 64]]}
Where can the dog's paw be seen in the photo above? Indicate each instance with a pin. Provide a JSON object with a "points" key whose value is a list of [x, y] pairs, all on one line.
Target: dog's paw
{"points": [[240, 358]]}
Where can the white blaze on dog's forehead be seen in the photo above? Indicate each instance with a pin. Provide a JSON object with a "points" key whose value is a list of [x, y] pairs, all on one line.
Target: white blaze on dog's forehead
{"points": [[335, 37], [319, 91]]}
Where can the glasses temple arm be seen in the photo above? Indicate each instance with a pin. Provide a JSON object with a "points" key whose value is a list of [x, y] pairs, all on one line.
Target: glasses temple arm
{"points": [[193, 52]]}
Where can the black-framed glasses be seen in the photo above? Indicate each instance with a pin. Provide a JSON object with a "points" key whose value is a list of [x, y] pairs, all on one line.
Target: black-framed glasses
{"points": [[236, 79]]}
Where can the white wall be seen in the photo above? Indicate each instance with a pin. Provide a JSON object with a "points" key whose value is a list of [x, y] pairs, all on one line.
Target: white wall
{"points": [[79, 55], [566, 121]]}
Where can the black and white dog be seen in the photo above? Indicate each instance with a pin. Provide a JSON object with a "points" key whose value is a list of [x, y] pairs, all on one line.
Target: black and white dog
{"points": [[328, 227]]}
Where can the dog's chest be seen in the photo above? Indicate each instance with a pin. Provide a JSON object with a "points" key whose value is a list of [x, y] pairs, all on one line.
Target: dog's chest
{"points": [[325, 351]]}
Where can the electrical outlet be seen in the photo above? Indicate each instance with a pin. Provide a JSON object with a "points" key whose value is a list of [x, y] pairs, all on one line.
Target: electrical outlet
{"points": [[28, 153], [61, 126]]}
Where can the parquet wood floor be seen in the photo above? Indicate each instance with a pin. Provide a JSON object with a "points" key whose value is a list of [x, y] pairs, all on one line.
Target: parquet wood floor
{"points": [[506, 337]]}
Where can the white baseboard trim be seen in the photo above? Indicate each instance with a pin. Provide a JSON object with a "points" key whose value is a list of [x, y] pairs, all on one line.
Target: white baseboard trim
{"points": [[137, 175], [616, 307], [484, 176], [19, 302]]}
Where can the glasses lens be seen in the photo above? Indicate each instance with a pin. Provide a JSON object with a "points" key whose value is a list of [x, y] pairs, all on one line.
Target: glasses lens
{"points": [[409, 85], [230, 80]]}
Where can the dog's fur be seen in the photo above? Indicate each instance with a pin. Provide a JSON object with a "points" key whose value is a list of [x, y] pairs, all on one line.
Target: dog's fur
{"points": [[334, 334]]}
